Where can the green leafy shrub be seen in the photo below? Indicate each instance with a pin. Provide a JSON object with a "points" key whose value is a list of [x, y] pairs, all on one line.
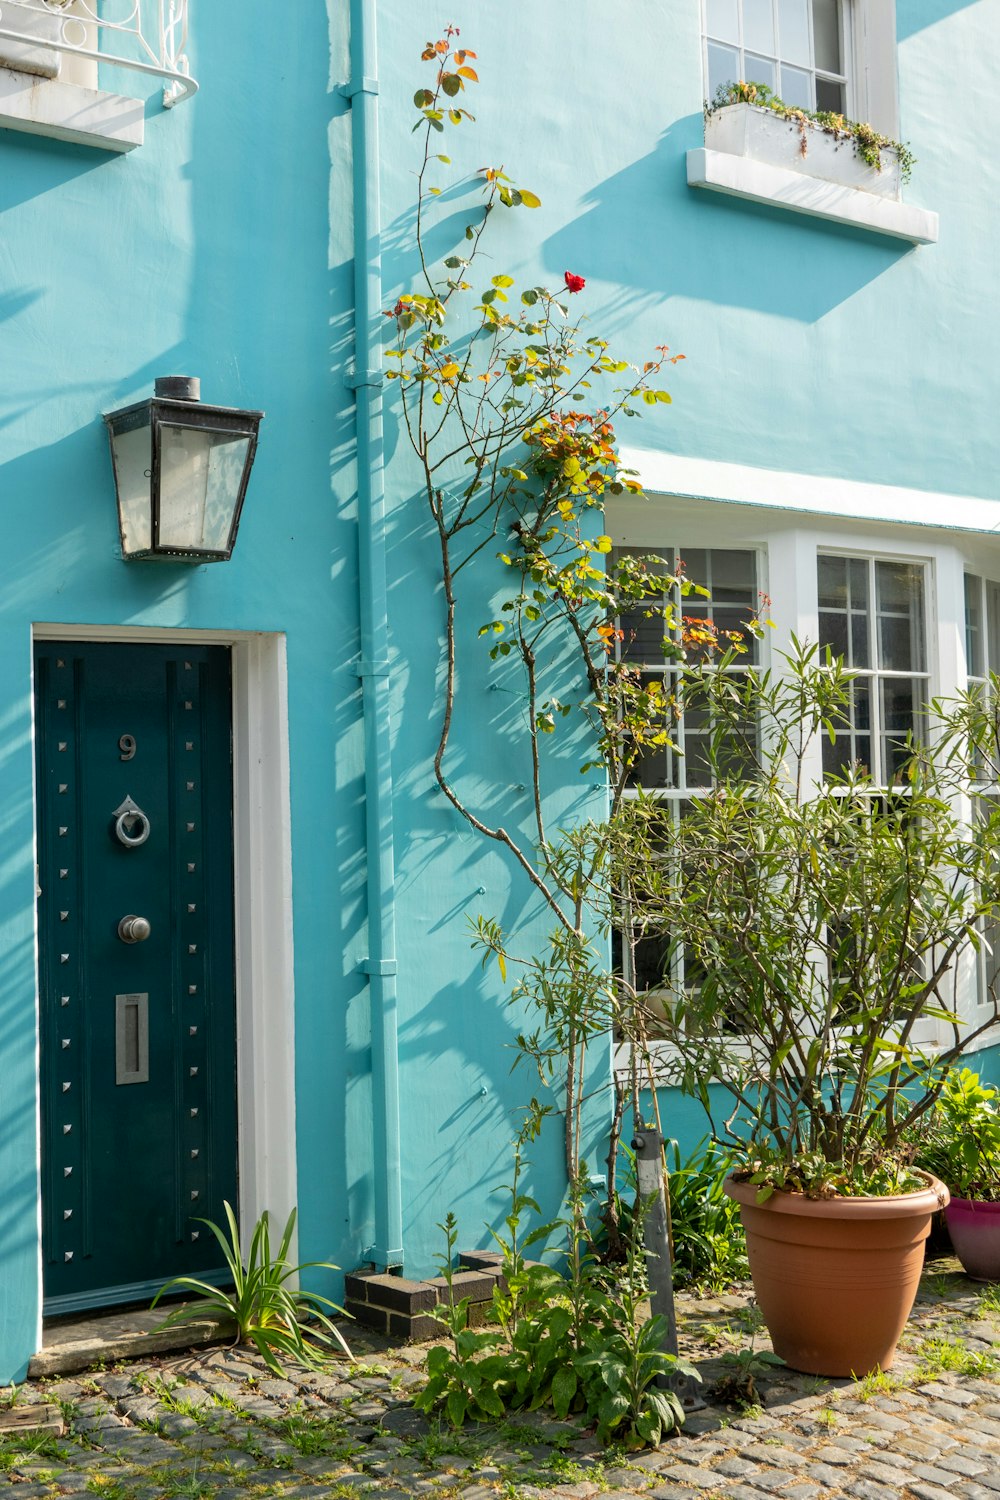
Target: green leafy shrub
{"points": [[961, 1141], [279, 1320], [709, 1246], [577, 1342]]}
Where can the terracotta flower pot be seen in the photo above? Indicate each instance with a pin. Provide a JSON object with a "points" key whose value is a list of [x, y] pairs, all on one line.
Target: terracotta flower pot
{"points": [[974, 1226], [835, 1278]]}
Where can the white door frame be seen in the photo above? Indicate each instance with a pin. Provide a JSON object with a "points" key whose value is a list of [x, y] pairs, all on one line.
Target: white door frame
{"points": [[262, 867]]}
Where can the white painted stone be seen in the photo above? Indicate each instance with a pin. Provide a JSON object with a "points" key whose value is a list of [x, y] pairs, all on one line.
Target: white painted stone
{"points": [[762, 136], [43, 61], [67, 112], [742, 177]]}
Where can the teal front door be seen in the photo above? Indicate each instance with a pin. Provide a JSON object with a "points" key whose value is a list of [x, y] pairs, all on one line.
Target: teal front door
{"points": [[136, 976]]}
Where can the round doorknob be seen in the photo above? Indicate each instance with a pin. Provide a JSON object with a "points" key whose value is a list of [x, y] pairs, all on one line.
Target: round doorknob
{"points": [[134, 929]]}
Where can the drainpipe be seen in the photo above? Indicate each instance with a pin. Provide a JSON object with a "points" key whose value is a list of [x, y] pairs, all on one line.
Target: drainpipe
{"points": [[373, 668]]}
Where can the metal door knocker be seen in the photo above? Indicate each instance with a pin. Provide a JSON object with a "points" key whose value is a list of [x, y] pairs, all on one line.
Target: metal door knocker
{"points": [[131, 824]]}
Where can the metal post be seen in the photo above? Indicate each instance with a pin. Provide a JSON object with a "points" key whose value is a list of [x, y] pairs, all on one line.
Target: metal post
{"points": [[648, 1148]]}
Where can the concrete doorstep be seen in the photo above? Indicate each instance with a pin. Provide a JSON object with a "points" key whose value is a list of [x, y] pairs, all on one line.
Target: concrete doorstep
{"points": [[69, 1346]]}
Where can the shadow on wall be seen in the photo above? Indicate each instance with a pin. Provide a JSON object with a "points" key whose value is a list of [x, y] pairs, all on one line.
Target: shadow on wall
{"points": [[646, 229], [916, 15]]}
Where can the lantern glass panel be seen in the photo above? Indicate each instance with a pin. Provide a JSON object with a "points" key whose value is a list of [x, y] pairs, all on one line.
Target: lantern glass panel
{"points": [[132, 455], [201, 471]]}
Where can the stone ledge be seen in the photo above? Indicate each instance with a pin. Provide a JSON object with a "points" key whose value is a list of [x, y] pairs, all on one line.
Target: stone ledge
{"points": [[740, 177], [69, 112]]}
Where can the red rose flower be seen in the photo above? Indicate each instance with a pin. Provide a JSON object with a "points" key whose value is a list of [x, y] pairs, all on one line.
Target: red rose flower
{"points": [[573, 282]]}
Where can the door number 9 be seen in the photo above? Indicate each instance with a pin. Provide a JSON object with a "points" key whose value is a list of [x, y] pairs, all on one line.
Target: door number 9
{"points": [[127, 746]]}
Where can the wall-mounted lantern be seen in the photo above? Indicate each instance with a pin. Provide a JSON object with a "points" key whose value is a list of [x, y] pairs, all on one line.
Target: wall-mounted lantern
{"points": [[181, 472]]}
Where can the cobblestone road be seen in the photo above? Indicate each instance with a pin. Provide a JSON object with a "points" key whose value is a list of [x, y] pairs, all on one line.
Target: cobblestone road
{"points": [[216, 1424]]}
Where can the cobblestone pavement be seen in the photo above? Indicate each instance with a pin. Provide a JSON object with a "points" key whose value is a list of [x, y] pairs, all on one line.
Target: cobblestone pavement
{"points": [[216, 1426]]}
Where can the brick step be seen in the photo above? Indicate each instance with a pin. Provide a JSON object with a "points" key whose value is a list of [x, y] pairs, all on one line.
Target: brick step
{"points": [[402, 1308]]}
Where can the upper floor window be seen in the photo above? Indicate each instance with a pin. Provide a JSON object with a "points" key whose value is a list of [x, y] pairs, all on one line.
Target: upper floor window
{"points": [[872, 613], [798, 48]]}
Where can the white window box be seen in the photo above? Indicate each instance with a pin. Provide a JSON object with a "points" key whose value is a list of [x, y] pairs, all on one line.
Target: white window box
{"points": [[753, 153], [51, 52], [763, 136]]}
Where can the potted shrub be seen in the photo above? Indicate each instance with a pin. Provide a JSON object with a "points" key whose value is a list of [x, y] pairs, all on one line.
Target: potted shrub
{"points": [[961, 1145], [815, 926]]}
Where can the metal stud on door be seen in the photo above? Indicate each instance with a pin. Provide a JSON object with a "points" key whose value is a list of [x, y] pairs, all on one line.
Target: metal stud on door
{"points": [[136, 964]]}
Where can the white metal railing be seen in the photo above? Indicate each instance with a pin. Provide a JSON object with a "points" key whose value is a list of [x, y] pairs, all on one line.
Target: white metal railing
{"points": [[147, 36]]}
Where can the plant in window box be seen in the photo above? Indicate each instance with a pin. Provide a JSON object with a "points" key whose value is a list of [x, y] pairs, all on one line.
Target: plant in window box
{"points": [[828, 920], [747, 119], [961, 1145]]}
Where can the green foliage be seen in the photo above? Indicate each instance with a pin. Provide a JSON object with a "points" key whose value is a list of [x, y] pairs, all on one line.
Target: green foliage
{"points": [[279, 1320], [961, 1139], [466, 1379], [578, 1342], [866, 140], [821, 924], [709, 1247]]}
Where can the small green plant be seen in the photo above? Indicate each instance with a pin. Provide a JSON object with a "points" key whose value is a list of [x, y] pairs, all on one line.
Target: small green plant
{"points": [[744, 1367], [939, 1355], [866, 140], [279, 1320], [877, 1383], [709, 1247], [989, 1302], [961, 1140], [467, 1377]]}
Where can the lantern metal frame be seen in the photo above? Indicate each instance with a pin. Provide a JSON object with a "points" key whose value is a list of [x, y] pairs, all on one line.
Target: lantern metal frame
{"points": [[176, 403]]}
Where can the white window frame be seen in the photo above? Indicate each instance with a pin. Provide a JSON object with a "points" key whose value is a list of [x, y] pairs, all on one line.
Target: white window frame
{"points": [[875, 675], [789, 518], [869, 59], [848, 56], [984, 584]]}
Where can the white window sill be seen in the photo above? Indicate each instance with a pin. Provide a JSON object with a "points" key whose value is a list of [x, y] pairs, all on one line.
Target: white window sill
{"points": [[755, 154], [741, 178], [69, 112]]}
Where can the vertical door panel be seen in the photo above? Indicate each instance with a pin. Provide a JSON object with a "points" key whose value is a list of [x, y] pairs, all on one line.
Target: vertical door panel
{"points": [[138, 1038]]}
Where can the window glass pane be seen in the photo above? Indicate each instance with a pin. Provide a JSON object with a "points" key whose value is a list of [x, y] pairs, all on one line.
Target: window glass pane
{"points": [[830, 96], [901, 623], [832, 581], [793, 32], [796, 87], [858, 575], [973, 626], [898, 585], [860, 647], [758, 25], [826, 34], [760, 70], [733, 576], [723, 21], [723, 67], [695, 561], [861, 707], [642, 636], [992, 662], [833, 631]]}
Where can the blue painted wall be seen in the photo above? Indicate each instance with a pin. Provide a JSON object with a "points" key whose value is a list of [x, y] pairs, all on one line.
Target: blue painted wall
{"points": [[222, 247]]}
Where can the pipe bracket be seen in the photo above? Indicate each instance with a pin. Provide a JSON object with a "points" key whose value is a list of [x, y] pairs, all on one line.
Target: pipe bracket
{"points": [[362, 86], [355, 378], [378, 668], [381, 966]]}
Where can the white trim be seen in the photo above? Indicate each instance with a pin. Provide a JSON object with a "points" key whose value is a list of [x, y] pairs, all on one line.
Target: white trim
{"points": [[740, 177], [740, 484], [262, 850], [68, 112]]}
